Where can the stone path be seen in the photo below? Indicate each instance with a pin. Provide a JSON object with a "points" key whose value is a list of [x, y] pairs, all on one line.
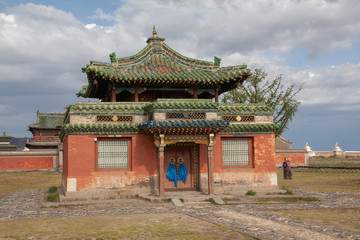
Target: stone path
{"points": [[245, 215]]}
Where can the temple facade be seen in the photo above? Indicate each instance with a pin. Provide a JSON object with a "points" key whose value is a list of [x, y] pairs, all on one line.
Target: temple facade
{"points": [[160, 127]]}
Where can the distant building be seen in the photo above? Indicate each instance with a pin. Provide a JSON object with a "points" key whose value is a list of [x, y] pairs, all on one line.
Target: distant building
{"points": [[5, 143], [297, 157], [45, 131]]}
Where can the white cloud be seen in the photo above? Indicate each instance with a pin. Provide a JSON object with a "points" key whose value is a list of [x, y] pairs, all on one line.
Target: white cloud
{"points": [[43, 48], [7, 18], [99, 14]]}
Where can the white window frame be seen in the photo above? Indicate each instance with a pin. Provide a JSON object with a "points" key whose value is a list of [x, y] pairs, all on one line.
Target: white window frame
{"points": [[113, 154], [236, 152]]}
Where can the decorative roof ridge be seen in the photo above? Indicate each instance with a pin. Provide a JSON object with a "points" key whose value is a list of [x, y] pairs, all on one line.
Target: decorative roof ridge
{"points": [[111, 103], [76, 125], [98, 63], [184, 123], [49, 113], [168, 48], [135, 58], [243, 104], [181, 100]]}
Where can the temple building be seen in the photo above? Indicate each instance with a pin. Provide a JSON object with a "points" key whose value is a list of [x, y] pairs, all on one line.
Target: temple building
{"points": [[160, 127], [45, 131], [5, 144]]}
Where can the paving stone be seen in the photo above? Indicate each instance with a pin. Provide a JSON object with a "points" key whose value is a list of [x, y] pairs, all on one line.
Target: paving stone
{"points": [[218, 200], [245, 215], [177, 202]]}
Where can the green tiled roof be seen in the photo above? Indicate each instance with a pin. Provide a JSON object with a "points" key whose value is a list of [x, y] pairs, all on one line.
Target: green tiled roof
{"points": [[228, 108], [170, 104], [183, 104], [7, 147], [108, 107], [251, 128], [157, 65], [184, 126], [48, 121], [100, 128], [5, 138]]}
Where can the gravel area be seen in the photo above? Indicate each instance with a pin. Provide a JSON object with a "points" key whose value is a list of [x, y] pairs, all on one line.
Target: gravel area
{"points": [[245, 215]]}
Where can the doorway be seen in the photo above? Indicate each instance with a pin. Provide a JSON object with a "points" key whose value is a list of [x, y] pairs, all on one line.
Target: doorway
{"points": [[184, 154]]}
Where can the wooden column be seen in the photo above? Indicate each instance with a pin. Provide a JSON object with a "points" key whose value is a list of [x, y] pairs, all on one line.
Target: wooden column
{"points": [[210, 171], [161, 170], [136, 94], [113, 94], [195, 92], [216, 94]]}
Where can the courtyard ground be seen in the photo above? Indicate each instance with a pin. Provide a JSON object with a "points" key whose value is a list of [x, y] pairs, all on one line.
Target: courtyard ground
{"points": [[323, 206]]}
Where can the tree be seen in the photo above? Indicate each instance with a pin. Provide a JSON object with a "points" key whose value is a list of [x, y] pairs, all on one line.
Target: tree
{"points": [[259, 89]]}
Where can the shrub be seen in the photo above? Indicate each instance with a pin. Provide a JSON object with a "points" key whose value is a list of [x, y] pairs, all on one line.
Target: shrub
{"points": [[52, 189], [52, 197], [212, 201], [288, 192], [250, 193]]}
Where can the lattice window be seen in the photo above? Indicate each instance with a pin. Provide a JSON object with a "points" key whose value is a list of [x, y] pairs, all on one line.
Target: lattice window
{"points": [[114, 118], [186, 115], [235, 152], [113, 154], [239, 118]]}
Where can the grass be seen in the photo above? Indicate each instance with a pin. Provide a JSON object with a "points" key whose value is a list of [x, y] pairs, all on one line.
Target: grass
{"points": [[52, 195], [134, 226], [346, 219], [335, 161], [323, 182], [20, 181], [286, 200], [250, 193]]}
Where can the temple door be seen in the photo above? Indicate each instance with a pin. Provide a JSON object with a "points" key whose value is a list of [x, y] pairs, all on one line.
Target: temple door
{"points": [[179, 155]]}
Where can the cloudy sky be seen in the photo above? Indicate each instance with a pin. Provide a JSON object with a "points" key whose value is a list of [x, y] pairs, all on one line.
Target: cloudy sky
{"points": [[44, 44]]}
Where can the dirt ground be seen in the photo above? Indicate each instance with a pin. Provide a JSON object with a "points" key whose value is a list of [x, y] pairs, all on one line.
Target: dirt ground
{"points": [[134, 226]]}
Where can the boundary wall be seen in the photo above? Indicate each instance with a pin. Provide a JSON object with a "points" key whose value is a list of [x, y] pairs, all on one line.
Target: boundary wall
{"points": [[29, 160]]}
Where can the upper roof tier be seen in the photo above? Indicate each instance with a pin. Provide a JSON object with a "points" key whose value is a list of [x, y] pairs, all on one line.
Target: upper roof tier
{"points": [[159, 65]]}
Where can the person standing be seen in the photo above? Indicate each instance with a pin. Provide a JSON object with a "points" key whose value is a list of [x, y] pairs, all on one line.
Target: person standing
{"points": [[287, 169], [284, 166]]}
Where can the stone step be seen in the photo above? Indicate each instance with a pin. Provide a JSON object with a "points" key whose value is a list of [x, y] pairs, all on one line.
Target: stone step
{"points": [[94, 195]]}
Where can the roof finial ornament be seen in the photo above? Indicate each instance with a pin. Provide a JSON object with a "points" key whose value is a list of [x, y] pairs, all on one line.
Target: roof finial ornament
{"points": [[154, 32]]}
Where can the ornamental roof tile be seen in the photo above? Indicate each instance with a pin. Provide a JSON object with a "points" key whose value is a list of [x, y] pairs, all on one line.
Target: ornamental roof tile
{"points": [[5, 138], [170, 104], [184, 126], [242, 108], [47, 120], [251, 128], [107, 128], [183, 104], [108, 107], [158, 64]]}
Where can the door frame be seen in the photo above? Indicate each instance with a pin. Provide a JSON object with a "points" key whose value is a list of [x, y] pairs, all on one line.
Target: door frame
{"points": [[194, 162]]}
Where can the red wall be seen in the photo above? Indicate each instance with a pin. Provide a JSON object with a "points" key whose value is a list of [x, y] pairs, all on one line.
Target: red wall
{"points": [[263, 155], [80, 161], [26, 163], [296, 158]]}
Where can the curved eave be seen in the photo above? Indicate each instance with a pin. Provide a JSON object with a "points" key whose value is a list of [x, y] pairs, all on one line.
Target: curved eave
{"points": [[250, 128], [97, 128], [166, 74], [184, 127]]}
